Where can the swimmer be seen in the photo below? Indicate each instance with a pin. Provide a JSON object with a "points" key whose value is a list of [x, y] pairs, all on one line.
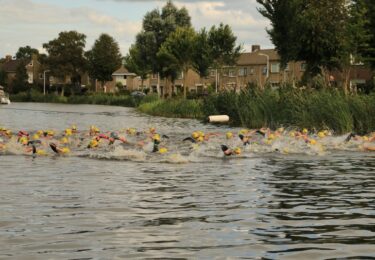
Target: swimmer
{"points": [[59, 150], [228, 152], [245, 139]]}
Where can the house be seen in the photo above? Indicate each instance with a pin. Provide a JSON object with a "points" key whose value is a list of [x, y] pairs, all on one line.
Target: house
{"points": [[121, 78], [10, 66]]}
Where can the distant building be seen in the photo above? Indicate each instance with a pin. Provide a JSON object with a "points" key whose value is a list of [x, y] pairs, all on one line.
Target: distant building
{"points": [[10, 66]]}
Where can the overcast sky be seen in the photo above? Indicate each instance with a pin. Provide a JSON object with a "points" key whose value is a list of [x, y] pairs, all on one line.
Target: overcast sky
{"points": [[34, 22]]}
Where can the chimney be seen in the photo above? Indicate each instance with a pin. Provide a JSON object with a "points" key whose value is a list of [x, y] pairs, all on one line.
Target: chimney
{"points": [[8, 58], [255, 48]]}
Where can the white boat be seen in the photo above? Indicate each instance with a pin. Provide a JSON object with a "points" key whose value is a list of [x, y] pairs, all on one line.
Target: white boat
{"points": [[4, 99]]}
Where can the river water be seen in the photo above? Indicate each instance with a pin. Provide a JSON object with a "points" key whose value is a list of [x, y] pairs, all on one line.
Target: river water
{"points": [[259, 206]]}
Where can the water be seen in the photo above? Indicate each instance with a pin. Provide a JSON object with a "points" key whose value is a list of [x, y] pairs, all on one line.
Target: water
{"points": [[262, 205]]}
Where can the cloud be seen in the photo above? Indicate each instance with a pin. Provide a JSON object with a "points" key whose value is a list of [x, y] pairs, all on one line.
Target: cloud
{"points": [[27, 22], [30, 23]]}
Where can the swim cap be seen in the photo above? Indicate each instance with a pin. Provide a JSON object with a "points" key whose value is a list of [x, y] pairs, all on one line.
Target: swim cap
{"points": [[41, 152], [163, 150], [68, 132], [200, 139], [156, 137], [229, 135], [65, 150], [305, 131], [321, 134], [195, 135], [271, 137], [93, 143], [243, 131], [36, 137], [313, 141], [237, 150], [64, 140]]}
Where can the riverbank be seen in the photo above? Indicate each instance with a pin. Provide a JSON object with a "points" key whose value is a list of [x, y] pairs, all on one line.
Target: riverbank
{"points": [[287, 107]]}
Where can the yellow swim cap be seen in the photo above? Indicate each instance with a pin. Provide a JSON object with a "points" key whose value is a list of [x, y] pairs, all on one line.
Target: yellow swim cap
{"points": [[40, 132], [156, 137], [200, 139], [64, 140], [271, 137], [305, 131], [312, 141], [195, 135], [243, 131], [93, 143], [68, 132], [237, 150], [163, 150], [65, 150], [8, 132], [280, 130], [292, 134], [36, 137], [41, 152], [321, 134], [229, 135], [152, 130], [365, 138], [74, 127]]}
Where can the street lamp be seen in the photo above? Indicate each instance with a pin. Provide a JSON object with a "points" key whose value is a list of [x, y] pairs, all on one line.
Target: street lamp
{"points": [[268, 64], [44, 82]]}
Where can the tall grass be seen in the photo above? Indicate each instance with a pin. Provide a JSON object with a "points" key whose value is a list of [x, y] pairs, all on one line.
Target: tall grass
{"points": [[173, 108], [98, 99], [298, 108]]}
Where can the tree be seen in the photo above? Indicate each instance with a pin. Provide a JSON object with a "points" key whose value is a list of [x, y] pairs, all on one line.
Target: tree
{"points": [[104, 58], [308, 30], [20, 83], [368, 53], [66, 56], [178, 49], [156, 28], [137, 64], [222, 43], [26, 52], [202, 55]]}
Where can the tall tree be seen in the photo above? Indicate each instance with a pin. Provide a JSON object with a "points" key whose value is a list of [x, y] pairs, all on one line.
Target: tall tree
{"points": [[104, 58], [66, 56], [223, 47], [136, 63], [157, 26], [178, 49], [26, 52], [20, 83], [369, 52], [308, 30], [202, 55]]}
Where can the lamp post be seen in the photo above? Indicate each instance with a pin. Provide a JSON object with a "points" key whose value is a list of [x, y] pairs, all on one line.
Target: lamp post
{"points": [[268, 65], [44, 82]]}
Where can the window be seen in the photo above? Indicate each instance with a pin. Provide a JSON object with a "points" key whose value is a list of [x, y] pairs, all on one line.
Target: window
{"points": [[40, 75], [154, 76], [275, 67], [212, 73], [303, 66], [180, 75], [264, 70], [251, 71], [232, 73], [287, 68], [242, 72], [225, 72], [125, 76]]}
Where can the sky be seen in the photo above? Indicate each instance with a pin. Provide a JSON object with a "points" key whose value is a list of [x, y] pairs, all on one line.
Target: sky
{"points": [[34, 22]]}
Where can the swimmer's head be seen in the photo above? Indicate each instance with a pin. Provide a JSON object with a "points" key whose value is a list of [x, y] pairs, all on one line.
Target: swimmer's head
{"points": [[229, 135], [237, 150]]}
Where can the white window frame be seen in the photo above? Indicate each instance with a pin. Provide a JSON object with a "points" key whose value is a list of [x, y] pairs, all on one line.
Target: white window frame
{"points": [[275, 67]]}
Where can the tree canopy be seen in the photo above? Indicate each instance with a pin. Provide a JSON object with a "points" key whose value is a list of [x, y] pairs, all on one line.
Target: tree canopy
{"points": [[26, 52], [104, 58], [66, 55]]}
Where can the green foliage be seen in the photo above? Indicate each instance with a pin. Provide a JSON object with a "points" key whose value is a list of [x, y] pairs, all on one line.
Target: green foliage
{"points": [[26, 53], [104, 58], [223, 47], [183, 108], [20, 82], [293, 107], [309, 30], [202, 58], [66, 55]]}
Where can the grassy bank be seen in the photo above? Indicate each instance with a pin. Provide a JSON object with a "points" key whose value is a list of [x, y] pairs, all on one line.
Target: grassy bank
{"points": [[286, 107], [97, 99], [296, 108], [184, 108]]}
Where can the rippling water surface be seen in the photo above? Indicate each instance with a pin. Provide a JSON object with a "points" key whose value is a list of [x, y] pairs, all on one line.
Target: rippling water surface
{"points": [[267, 206]]}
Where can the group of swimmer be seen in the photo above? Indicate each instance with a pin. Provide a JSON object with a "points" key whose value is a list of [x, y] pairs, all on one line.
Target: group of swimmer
{"points": [[44, 142]]}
